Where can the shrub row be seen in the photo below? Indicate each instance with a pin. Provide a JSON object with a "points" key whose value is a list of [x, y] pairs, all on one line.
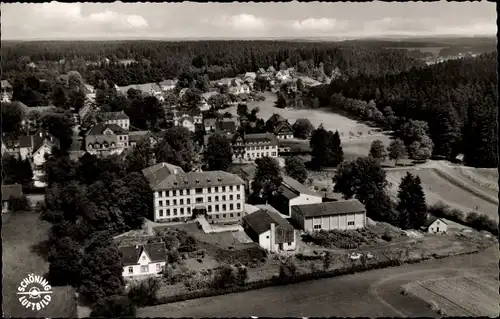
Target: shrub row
{"points": [[301, 256], [279, 281]]}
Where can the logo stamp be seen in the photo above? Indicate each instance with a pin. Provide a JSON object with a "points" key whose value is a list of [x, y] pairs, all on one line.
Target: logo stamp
{"points": [[34, 292]]}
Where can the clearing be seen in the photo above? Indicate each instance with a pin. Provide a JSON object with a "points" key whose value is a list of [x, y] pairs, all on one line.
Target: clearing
{"points": [[20, 233]]}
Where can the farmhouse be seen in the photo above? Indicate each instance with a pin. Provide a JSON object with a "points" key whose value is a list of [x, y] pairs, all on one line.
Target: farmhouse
{"points": [[342, 215], [434, 225], [9, 192], [141, 261], [283, 130], [178, 195], [249, 147], [293, 193], [270, 231], [119, 118]]}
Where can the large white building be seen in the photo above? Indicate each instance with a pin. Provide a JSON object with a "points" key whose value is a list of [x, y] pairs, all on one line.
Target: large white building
{"points": [[140, 261], [249, 147], [219, 195]]}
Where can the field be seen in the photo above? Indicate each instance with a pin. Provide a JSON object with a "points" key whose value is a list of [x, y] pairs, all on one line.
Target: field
{"points": [[372, 294], [485, 177], [20, 233], [459, 296]]}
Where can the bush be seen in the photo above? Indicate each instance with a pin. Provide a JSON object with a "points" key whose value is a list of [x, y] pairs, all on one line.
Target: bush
{"points": [[301, 256], [144, 293], [387, 237], [113, 307], [18, 204]]}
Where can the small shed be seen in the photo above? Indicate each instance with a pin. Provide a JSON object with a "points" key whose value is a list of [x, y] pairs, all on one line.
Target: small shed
{"points": [[459, 158], [434, 225]]}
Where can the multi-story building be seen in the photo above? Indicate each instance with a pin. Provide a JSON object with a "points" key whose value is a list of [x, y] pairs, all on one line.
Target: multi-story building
{"points": [[218, 195], [249, 147], [119, 118], [106, 139]]}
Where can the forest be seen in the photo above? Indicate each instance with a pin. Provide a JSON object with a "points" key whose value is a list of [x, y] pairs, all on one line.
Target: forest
{"points": [[457, 100], [154, 61]]}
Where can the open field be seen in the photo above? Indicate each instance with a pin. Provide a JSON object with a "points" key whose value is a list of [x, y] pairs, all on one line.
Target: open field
{"points": [[20, 232], [460, 296], [371, 294], [485, 177]]}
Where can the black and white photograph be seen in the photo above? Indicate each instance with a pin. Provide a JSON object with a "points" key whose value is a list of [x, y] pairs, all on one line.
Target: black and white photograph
{"points": [[295, 159]]}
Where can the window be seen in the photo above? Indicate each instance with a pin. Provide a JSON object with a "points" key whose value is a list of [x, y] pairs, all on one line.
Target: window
{"points": [[199, 199], [175, 211], [224, 207], [188, 192], [223, 197], [238, 214], [238, 188], [350, 223], [168, 212], [318, 226], [231, 206], [209, 208], [181, 201], [209, 199], [231, 188], [216, 216], [130, 270], [145, 268], [273, 154], [238, 206], [209, 190], [161, 212], [223, 188], [231, 215], [158, 267], [289, 244], [175, 201], [217, 208], [223, 215], [199, 191], [238, 196], [216, 198], [160, 203], [230, 197], [209, 216], [188, 201], [189, 210], [167, 203], [182, 210]]}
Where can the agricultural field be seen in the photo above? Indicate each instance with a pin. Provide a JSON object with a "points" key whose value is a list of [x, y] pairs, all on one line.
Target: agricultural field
{"points": [[459, 296], [21, 256], [484, 177]]}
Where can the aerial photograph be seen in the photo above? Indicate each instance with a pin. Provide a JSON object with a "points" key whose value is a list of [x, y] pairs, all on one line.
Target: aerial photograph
{"points": [[299, 159]]}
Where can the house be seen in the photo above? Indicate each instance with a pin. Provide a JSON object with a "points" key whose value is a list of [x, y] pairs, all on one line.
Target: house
{"points": [[10, 146], [8, 192], [187, 119], [119, 118], [204, 106], [168, 85], [270, 231], [271, 69], [459, 159], [218, 195], [341, 215], [142, 261], [35, 148], [187, 122], [434, 225], [293, 193], [7, 91], [227, 126], [283, 76], [283, 130], [249, 147], [250, 76], [106, 139], [135, 137], [210, 124], [245, 171]]}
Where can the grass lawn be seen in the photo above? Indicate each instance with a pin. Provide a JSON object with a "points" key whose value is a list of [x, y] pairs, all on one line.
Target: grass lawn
{"points": [[20, 232]]}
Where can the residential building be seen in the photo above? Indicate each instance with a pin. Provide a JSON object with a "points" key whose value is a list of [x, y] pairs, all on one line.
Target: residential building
{"points": [[270, 231], [246, 172], [194, 115], [249, 147], [9, 192], [106, 139], [135, 137], [10, 146], [7, 91], [168, 85], [210, 124], [142, 261], [293, 193], [283, 130], [119, 118], [250, 76], [341, 215], [204, 106], [271, 69], [434, 225], [218, 195]]}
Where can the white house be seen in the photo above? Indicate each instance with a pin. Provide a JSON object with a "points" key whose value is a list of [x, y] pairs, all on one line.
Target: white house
{"points": [[141, 261], [341, 215], [270, 231], [435, 225], [119, 118], [293, 193]]}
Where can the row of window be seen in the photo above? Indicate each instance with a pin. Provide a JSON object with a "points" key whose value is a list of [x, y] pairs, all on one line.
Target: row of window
{"points": [[215, 189], [198, 200], [144, 269], [182, 211], [187, 210], [318, 226], [273, 154], [257, 148], [216, 216]]}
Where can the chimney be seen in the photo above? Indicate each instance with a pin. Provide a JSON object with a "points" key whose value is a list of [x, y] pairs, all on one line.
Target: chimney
{"points": [[272, 236]]}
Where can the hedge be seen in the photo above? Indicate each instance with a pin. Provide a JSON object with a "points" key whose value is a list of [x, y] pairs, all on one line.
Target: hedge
{"points": [[276, 281]]}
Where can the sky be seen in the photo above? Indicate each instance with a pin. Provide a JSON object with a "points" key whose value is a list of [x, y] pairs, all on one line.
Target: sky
{"points": [[343, 20]]}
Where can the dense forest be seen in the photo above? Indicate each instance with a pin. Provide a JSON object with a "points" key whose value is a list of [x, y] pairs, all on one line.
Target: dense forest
{"points": [[457, 99], [153, 61]]}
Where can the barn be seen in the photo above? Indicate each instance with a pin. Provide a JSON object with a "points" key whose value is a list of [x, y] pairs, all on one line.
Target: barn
{"points": [[434, 225], [341, 215]]}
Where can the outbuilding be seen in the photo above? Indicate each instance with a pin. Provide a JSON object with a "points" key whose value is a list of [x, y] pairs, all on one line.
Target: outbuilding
{"points": [[341, 215], [291, 193], [434, 225]]}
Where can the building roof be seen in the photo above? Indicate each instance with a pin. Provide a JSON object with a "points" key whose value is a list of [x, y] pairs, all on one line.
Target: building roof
{"points": [[207, 95], [136, 136], [281, 125], [9, 191], [155, 251], [168, 82], [261, 220], [6, 84], [251, 75], [296, 187], [227, 126], [164, 178], [276, 118], [246, 171], [35, 141], [261, 137], [210, 121], [109, 116], [144, 88], [262, 70], [330, 208], [99, 129], [430, 220]]}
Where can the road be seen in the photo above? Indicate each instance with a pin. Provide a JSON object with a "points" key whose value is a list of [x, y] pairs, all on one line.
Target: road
{"points": [[369, 294]]}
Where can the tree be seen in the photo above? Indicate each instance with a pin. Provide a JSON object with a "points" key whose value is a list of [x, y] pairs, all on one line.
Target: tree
{"points": [[218, 101], [281, 101], [18, 204], [411, 206], [15, 170], [140, 157], [64, 263], [114, 306], [327, 260], [144, 293], [326, 148], [242, 110], [76, 100], [296, 168], [218, 154], [377, 150], [302, 128], [60, 97], [191, 99], [178, 148], [421, 150], [61, 126], [12, 116], [267, 178], [397, 150]]}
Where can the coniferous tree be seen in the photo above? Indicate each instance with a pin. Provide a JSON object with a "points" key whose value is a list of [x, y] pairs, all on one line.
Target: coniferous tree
{"points": [[411, 205]]}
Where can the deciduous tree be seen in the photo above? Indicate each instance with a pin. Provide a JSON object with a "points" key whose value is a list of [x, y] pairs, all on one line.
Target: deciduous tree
{"points": [[302, 128], [296, 168], [377, 150], [267, 178], [218, 154]]}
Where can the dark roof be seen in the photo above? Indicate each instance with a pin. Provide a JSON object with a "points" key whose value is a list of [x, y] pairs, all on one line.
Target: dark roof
{"points": [[246, 171], [155, 251], [243, 96], [296, 186], [431, 219], [99, 129], [281, 125], [260, 137], [226, 126], [157, 173], [276, 118], [261, 220], [330, 208], [9, 191], [37, 140], [136, 136], [107, 116]]}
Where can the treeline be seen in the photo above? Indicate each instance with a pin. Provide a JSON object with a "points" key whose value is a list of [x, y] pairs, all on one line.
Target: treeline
{"points": [[457, 99], [156, 60]]}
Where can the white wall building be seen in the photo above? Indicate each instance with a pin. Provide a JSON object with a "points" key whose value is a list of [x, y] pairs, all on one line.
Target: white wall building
{"points": [[119, 118], [141, 261], [293, 193], [250, 147]]}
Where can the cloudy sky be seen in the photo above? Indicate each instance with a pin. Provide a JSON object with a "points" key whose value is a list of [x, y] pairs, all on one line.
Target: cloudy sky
{"points": [[245, 20]]}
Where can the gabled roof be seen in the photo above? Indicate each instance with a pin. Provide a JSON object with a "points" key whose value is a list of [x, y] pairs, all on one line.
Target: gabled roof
{"points": [[261, 220], [260, 137], [227, 126], [136, 136], [37, 140], [262, 70], [109, 116], [276, 118], [430, 220], [157, 173], [9, 191], [271, 69], [295, 186], [168, 82], [330, 208], [131, 254], [99, 129], [281, 125]]}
